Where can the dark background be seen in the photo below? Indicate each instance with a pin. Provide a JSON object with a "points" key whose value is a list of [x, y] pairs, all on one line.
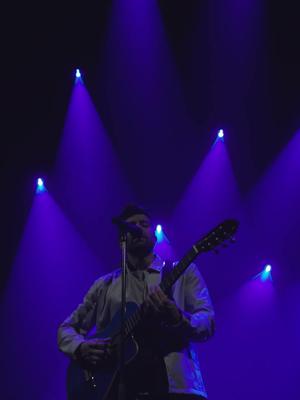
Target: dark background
{"points": [[163, 84], [41, 45]]}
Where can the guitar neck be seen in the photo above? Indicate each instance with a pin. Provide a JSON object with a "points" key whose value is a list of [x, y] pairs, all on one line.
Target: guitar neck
{"points": [[214, 238], [179, 269], [166, 284]]}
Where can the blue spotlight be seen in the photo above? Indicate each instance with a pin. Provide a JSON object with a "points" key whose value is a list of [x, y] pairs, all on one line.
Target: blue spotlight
{"points": [[78, 74], [159, 233], [266, 273], [221, 134], [40, 186], [40, 182], [268, 268], [219, 137]]}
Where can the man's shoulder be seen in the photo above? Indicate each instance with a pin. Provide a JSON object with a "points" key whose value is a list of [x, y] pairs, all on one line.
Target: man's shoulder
{"points": [[108, 278]]}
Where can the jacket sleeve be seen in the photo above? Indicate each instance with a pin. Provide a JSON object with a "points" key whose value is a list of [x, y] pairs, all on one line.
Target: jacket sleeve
{"points": [[72, 331], [198, 322]]}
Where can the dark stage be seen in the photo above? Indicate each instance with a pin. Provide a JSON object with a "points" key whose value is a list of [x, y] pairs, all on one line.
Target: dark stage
{"points": [[159, 81]]}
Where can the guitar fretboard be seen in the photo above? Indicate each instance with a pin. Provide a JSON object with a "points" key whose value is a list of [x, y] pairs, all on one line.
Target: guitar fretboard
{"points": [[213, 239], [132, 322]]}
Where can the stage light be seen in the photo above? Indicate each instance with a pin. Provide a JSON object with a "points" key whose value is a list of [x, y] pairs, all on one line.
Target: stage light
{"points": [[219, 138], [40, 186], [40, 182], [266, 273], [268, 268], [221, 134], [159, 233], [78, 74], [158, 229]]}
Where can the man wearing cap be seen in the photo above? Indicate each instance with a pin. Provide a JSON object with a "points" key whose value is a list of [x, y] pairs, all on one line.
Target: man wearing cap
{"points": [[186, 314]]}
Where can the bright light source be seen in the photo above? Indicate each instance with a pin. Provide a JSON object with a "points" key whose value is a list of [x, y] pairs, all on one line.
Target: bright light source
{"points": [[40, 182], [158, 229], [78, 74], [159, 233], [265, 274], [221, 134], [40, 186], [268, 268]]}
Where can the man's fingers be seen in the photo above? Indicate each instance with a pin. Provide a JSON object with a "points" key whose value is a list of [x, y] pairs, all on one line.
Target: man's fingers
{"points": [[94, 359], [95, 352], [153, 304], [95, 356], [161, 296], [157, 293], [102, 340], [157, 299], [100, 343], [99, 346]]}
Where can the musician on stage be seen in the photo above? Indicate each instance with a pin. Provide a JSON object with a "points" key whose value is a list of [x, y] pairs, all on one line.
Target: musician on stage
{"points": [[176, 319]]}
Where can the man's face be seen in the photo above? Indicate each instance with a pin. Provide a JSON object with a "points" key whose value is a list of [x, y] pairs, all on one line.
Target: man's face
{"points": [[144, 244]]}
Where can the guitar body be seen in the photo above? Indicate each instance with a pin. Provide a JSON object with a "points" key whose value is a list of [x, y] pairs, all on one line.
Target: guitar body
{"points": [[85, 382]]}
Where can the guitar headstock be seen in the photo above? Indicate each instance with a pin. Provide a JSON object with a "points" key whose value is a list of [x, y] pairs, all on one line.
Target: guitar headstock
{"points": [[221, 234]]}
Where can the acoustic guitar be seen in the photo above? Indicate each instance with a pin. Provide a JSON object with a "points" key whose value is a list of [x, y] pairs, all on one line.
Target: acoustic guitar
{"points": [[99, 382]]}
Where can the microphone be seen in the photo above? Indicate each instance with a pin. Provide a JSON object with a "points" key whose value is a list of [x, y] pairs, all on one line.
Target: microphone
{"points": [[127, 227]]}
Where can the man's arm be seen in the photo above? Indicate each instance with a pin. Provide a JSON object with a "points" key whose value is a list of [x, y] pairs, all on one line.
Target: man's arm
{"points": [[198, 320], [72, 331]]}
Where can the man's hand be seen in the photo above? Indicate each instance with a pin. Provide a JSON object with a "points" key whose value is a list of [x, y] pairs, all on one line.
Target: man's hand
{"points": [[162, 306], [95, 350]]}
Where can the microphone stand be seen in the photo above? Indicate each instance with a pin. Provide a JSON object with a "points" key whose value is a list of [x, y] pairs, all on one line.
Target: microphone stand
{"points": [[121, 387]]}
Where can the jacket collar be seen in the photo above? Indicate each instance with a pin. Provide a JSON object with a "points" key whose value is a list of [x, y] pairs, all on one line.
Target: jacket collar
{"points": [[157, 264]]}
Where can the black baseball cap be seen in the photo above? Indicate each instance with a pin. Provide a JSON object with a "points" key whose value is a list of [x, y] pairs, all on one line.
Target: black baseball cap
{"points": [[128, 211]]}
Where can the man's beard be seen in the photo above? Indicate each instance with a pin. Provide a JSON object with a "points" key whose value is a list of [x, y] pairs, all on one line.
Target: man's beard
{"points": [[141, 250]]}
